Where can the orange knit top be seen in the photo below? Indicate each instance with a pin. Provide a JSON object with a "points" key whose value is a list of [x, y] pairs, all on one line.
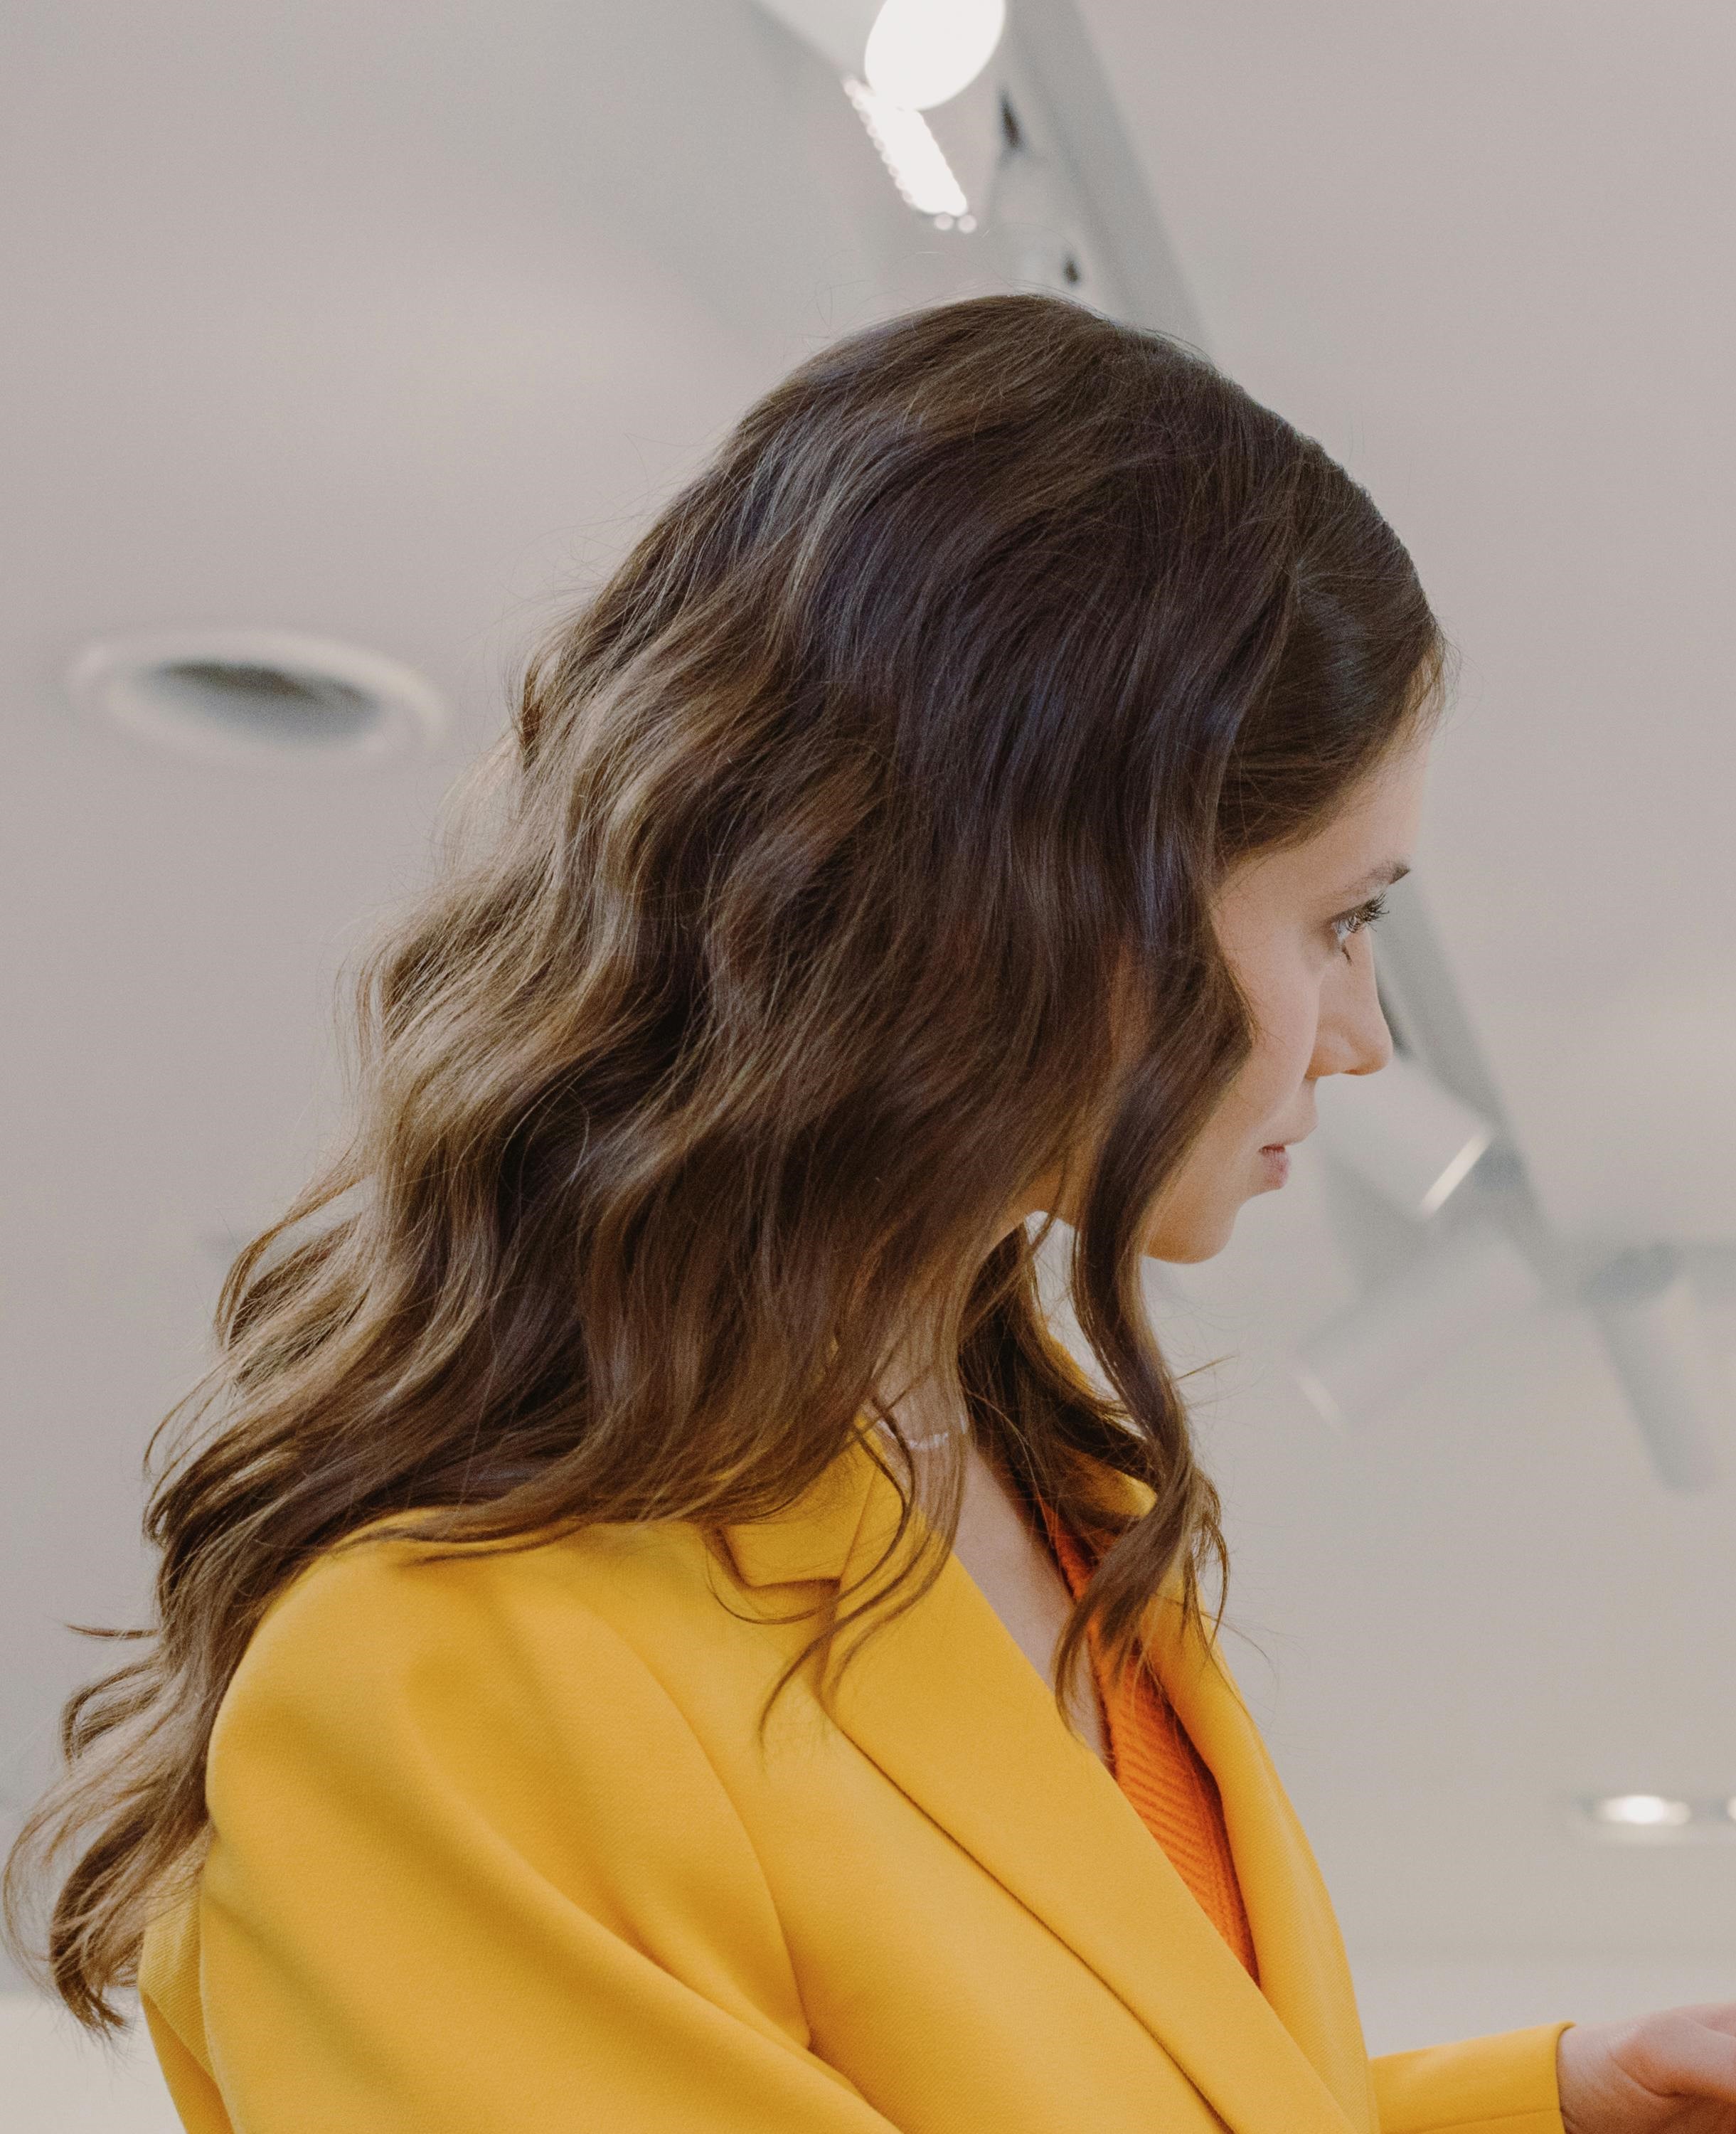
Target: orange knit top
{"points": [[1164, 1775]]}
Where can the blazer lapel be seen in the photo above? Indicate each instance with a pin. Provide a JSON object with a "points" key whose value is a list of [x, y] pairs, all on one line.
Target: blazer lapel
{"points": [[943, 1703], [1304, 1974]]}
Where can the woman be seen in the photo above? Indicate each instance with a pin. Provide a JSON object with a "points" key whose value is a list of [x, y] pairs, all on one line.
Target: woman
{"points": [[656, 1634]]}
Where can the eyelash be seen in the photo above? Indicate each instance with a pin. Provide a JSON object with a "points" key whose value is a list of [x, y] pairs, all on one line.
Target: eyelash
{"points": [[1365, 915]]}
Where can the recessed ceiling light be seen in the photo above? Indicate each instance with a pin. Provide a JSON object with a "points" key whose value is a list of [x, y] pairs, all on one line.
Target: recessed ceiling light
{"points": [[234, 695], [1640, 1812]]}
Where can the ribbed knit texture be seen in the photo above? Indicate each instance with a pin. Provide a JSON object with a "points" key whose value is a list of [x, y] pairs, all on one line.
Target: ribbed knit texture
{"points": [[1164, 1775]]}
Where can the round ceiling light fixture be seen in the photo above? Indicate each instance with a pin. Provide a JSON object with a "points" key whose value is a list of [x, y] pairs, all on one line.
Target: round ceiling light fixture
{"points": [[242, 695], [920, 54], [915, 54]]}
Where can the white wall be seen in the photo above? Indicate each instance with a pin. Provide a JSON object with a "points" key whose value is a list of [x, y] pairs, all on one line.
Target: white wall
{"points": [[57, 2081], [1405, 2004]]}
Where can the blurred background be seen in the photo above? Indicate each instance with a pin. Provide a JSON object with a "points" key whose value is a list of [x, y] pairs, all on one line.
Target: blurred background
{"points": [[348, 342]]}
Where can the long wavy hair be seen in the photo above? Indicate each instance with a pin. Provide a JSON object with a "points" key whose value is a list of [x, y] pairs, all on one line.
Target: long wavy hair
{"points": [[850, 849]]}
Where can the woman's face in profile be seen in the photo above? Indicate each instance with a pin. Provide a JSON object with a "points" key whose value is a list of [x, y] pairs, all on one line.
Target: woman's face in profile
{"points": [[1295, 928]]}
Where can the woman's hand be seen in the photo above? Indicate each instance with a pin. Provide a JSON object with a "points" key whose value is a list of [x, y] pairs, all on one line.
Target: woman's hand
{"points": [[1674, 2073]]}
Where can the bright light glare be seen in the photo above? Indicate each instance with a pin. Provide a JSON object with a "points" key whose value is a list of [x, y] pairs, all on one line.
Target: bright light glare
{"points": [[921, 52], [1642, 1811], [910, 152], [1456, 1171]]}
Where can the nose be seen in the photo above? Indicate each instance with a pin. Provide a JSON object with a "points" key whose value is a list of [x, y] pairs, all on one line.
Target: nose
{"points": [[1353, 1037]]}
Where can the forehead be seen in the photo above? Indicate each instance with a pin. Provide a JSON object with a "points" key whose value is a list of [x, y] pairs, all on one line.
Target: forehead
{"points": [[1373, 833], [1379, 820]]}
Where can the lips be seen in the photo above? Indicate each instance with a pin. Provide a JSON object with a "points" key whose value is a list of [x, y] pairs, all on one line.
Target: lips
{"points": [[1291, 1143]]}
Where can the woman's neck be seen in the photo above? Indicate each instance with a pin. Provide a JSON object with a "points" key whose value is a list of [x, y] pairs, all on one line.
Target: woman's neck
{"points": [[1002, 1549]]}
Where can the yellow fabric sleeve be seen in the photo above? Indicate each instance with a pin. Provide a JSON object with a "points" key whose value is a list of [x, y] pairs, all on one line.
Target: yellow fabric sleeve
{"points": [[443, 1898], [1505, 2084]]}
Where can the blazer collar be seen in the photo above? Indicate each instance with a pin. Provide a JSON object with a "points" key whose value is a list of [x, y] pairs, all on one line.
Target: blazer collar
{"points": [[834, 1530], [943, 1701]]}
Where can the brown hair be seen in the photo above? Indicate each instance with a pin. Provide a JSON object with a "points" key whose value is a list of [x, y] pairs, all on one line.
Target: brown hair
{"points": [[898, 761]]}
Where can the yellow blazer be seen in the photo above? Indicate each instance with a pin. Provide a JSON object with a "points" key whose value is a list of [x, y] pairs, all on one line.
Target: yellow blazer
{"points": [[496, 1850]]}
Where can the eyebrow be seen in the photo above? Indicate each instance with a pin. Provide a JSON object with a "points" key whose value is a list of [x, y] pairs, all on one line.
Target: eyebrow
{"points": [[1380, 878]]}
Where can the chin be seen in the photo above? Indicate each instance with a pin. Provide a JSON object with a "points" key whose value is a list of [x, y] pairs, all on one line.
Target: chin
{"points": [[1186, 1243]]}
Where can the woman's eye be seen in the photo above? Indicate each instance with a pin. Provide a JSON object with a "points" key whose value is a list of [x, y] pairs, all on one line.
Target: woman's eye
{"points": [[1352, 922]]}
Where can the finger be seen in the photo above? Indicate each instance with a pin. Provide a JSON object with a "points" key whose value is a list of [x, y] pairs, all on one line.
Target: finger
{"points": [[1715, 2015], [1678, 2054]]}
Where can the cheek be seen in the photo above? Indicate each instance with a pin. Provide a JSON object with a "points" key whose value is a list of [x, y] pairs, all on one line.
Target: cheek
{"points": [[1288, 1021], [1195, 1219]]}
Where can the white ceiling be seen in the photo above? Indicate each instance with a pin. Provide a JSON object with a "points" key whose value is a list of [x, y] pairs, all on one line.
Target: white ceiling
{"points": [[1484, 253], [387, 333], [386, 328]]}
